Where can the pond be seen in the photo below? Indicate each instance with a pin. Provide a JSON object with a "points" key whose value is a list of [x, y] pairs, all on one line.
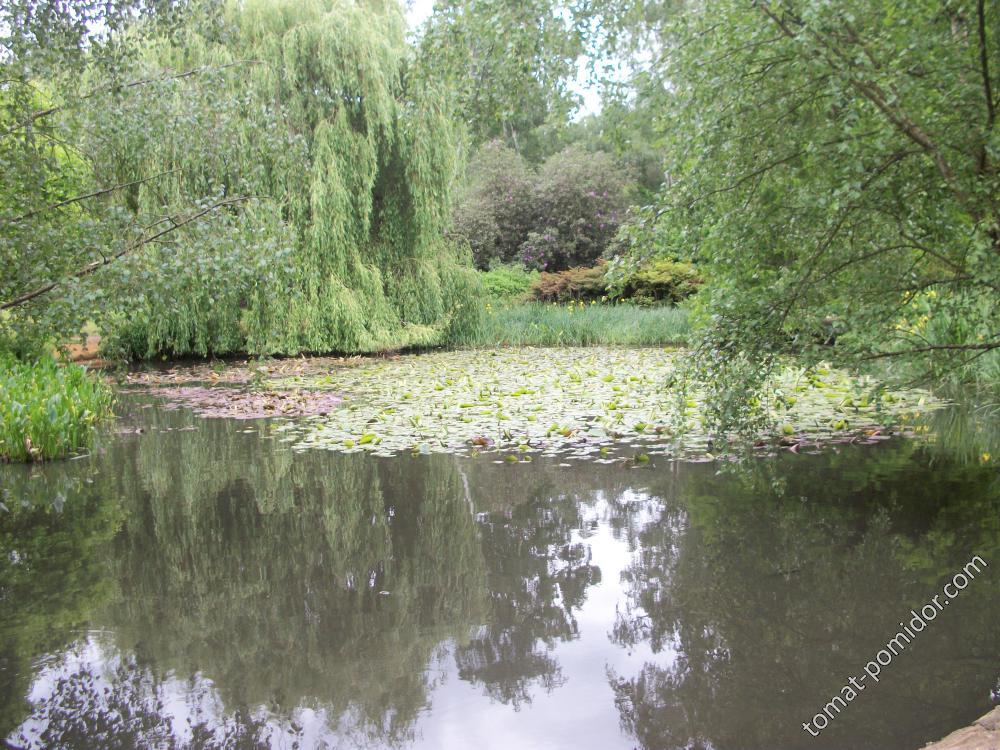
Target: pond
{"points": [[199, 582]]}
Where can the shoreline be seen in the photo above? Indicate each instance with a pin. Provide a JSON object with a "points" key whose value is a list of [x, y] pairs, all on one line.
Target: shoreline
{"points": [[982, 734]]}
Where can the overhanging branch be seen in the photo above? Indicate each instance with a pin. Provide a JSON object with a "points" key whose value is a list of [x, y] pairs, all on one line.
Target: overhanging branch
{"points": [[78, 198], [128, 250]]}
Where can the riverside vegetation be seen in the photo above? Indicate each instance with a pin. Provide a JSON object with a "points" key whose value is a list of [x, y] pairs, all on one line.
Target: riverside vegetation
{"points": [[275, 178], [444, 393]]}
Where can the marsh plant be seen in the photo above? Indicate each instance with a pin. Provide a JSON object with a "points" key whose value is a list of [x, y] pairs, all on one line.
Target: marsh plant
{"points": [[48, 410]]}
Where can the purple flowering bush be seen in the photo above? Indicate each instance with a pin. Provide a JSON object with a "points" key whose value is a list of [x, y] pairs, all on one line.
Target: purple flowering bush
{"points": [[579, 202], [562, 215], [493, 213]]}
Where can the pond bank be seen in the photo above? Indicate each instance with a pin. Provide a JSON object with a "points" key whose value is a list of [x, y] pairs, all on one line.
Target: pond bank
{"points": [[983, 734]]}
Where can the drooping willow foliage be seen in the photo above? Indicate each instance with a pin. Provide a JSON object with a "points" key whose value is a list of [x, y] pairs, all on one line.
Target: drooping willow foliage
{"points": [[300, 111]]}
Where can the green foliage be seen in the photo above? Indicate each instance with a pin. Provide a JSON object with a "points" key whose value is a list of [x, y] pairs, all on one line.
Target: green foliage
{"points": [[538, 324], [63, 219], [505, 66], [836, 179], [48, 410], [353, 172], [565, 214], [509, 282], [278, 185], [572, 284], [661, 281]]}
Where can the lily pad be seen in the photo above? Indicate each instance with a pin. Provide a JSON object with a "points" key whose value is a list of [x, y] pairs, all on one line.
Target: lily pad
{"points": [[561, 401]]}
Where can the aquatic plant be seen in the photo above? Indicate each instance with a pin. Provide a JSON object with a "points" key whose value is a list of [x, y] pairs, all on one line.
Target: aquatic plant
{"points": [[576, 324], [48, 410], [601, 404]]}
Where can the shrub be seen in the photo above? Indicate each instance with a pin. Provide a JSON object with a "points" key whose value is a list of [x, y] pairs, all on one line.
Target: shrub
{"points": [[664, 281], [579, 202], [661, 281], [48, 410], [507, 282], [564, 215], [494, 213], [571, 284]]}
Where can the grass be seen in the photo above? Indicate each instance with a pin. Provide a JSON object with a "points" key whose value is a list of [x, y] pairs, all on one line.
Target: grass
{"points": [[48, 410], [507, 284], [578, 324]]}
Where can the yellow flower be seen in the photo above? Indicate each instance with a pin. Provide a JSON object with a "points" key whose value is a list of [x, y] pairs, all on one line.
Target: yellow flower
{"points": [[985, 458]]}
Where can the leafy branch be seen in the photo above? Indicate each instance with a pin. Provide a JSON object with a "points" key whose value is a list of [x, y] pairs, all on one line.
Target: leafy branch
{"points": [[176, 223]]}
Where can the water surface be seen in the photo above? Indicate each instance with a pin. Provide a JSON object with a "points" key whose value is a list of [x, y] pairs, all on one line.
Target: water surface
{"points": [[198, 584]]}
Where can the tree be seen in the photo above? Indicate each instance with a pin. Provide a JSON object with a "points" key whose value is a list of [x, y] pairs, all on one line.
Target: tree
{"points": [[254, 152], [59, 222], [507, 65], [834, 169], [493, 211], [561, 215], [579, 201]]}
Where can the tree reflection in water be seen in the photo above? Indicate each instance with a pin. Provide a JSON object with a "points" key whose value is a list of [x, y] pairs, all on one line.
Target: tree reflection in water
{"points": [[772, 586], [198, 586]]}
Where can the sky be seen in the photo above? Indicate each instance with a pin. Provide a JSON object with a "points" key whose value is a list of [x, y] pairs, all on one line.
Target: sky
{"points": [[417, 11]]}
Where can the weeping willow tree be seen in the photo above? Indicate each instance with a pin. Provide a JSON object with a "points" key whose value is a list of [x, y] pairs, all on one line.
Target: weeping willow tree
{"points": [[338, 171]]}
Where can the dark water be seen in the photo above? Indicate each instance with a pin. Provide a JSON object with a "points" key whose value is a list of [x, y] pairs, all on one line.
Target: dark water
{"points": [[200, 585]]}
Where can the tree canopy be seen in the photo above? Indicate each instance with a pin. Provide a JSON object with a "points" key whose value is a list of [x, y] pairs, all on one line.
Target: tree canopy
{"points": [[506, 66], [834, 167], [265, 150]]}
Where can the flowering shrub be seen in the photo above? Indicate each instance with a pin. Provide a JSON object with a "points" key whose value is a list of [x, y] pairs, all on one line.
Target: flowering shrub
{"points": [[562, 216], [493, 214], [579, 202]]}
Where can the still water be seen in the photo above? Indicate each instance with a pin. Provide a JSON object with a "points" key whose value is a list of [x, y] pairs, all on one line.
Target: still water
{"points": [[197, 584]]}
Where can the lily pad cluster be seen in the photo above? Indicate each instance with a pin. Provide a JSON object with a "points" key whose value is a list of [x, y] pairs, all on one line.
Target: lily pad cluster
{"points": [[594, 403]]}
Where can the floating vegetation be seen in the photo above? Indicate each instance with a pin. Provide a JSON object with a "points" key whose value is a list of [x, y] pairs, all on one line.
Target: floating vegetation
{"points": [[600, 404], [232, 403]]}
